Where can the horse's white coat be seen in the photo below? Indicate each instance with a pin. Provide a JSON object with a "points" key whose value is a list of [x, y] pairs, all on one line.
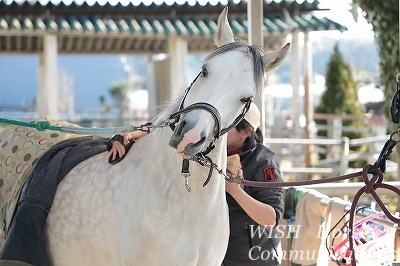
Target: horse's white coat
{"points": [[138, 212]]}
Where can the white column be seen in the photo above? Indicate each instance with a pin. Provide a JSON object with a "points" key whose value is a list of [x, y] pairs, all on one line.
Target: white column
{"points": [[48, 80], [177, 51], [294, 77], [162, 76], [255, 19], [151, 86], [308, 98]]}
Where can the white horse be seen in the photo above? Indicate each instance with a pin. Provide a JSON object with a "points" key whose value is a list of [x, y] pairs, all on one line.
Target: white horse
{"points": [[139, 212]]}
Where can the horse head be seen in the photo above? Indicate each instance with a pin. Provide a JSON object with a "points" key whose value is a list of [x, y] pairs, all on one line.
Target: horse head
{"points": [[220, 94]]}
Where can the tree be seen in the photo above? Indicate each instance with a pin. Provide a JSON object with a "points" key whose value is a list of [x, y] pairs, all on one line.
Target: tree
{"points": [[340, 96], [118, 91], [384, 17], [104, 105]]}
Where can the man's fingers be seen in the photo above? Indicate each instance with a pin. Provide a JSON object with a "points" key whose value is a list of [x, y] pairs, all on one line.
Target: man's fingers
{"points": [[112, 153], [116, 148], [127, 138], [121, 149]]}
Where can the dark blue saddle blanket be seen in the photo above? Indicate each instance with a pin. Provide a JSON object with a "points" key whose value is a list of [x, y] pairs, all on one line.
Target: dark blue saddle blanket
{"points": [[25, 241], [55, 164]]}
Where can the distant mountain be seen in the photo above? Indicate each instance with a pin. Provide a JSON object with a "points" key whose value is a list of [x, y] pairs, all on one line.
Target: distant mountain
{"points": [[361, 55], [93, 75]]}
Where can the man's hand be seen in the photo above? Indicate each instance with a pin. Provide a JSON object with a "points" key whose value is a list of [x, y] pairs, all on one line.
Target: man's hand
{"points": [[118, 146], [233, 164], [116, 149], [233, 167], [233, 188]]}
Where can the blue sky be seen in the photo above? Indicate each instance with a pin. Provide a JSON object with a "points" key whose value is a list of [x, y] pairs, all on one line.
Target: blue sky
{"points": [[21, 89]]}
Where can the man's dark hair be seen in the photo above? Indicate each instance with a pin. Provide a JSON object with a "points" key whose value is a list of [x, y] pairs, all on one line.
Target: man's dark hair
{"points": [[255, 137]]}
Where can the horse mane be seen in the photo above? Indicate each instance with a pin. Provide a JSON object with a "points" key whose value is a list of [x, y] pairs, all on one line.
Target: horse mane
{"points": [[256, 52]]}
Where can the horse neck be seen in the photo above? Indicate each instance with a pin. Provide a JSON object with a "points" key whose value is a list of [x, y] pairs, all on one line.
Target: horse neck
{"points": [[166, 160], [163, 158]]}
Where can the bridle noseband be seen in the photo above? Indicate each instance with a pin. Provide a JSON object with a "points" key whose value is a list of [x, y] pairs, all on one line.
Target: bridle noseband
{"points": [[201, 157], [209, 108]]}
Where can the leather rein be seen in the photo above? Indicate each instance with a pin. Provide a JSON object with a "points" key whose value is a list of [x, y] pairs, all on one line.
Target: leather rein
{"points": [[372, 174]]}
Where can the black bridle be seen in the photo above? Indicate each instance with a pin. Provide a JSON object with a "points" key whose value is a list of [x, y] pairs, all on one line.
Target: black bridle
{"points": [[211, 109], [201, 157]]}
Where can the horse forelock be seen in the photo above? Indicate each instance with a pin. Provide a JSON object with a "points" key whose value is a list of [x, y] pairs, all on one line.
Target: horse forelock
{"points": [[256, 53]]}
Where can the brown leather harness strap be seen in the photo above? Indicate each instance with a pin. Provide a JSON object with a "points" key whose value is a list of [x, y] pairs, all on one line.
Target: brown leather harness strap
{"points": [[371, 184]]}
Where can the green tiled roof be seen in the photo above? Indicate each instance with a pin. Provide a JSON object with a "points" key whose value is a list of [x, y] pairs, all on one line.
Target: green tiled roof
{"points": [[125, 25], [188, 26]]}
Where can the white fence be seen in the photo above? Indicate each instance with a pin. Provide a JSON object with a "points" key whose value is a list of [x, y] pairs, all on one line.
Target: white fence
{"points": [[290, 152]]}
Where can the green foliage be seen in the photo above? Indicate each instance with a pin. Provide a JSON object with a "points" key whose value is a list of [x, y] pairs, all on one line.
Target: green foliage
{"points": [[118, 90], [340, 96], [384, 17], [104, 105]]}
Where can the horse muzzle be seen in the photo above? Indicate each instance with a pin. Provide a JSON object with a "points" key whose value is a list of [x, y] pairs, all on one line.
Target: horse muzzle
{"points": [[188, 138]]}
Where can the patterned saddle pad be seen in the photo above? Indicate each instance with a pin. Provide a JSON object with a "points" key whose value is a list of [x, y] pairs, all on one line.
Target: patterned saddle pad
{"points": [[20, 148]]}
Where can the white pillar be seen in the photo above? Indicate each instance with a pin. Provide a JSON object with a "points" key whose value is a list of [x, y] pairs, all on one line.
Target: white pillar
{"points": [[162, 76], [294, 77], [308, 98], [47, 102], [151, 86], [255, 19], [177, 50]]}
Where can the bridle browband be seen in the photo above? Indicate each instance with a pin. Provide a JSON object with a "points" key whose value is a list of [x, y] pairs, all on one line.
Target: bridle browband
{"points": [[201, 157]]}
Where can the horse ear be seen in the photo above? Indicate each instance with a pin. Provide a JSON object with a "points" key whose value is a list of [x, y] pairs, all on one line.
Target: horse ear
{"points": [[224, 31], [274, 59]]}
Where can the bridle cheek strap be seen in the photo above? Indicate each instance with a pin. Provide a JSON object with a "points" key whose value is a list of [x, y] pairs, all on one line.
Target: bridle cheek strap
{"points": [[240, 117]]}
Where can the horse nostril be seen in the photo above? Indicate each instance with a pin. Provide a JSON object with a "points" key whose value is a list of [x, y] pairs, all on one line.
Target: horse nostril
{"points": [[173, 143], [178, 130], [177, 136]]}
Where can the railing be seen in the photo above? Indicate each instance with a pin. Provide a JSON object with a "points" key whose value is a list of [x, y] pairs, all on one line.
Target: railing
{"points": [[288, 151], [343, 190]]}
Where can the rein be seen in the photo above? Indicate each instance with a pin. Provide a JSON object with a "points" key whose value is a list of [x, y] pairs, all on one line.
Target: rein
{"points": [[371, 184]]}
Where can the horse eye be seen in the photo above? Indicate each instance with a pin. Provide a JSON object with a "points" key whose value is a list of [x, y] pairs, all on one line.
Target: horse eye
{"points": [[204, 72]]}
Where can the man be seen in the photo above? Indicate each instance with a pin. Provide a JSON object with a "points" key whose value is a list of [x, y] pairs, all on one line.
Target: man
{"points": [[253, 212]]}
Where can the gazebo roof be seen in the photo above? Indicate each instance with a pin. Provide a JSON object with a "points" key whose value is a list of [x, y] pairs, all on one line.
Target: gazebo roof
{"points": [[142, 28]]}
